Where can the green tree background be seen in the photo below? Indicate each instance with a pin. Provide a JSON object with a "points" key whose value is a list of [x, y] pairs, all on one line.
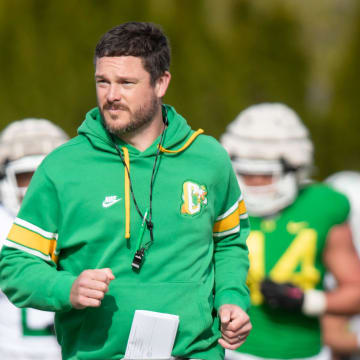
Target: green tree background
{"points": [[227, 55]]}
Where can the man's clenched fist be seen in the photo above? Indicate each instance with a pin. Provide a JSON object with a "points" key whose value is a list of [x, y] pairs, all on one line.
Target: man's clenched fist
{"points": [[90, 288], [235, 326]]}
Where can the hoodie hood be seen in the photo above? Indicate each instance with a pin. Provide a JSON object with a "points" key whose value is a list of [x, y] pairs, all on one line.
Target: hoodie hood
{"points": [[177, 133]]}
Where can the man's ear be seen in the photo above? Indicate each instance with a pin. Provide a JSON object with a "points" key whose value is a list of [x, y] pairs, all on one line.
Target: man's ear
{"points": [[162, 84]]}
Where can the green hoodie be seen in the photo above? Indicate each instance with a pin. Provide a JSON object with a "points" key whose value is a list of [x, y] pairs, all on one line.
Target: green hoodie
{"points": [[74, 217]]}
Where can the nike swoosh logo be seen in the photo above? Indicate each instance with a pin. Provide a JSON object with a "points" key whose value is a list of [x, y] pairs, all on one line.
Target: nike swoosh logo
{"points": [[107, 204]]}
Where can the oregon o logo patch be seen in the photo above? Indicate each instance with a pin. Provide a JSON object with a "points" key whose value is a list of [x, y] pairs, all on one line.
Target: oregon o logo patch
{"points": [[194, 198]]}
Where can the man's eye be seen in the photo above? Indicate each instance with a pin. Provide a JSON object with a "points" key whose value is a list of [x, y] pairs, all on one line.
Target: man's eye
{"points": [[127, 82], [101, 81]]}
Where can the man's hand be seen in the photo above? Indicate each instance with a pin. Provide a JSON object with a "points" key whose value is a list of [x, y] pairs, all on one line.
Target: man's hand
{"points": [[282, 296], [235, 326], [90, 288]]}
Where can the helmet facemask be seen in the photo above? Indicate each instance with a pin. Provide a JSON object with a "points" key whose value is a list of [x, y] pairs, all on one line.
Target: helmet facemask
{"points": [[11, 191], [278, 190]]}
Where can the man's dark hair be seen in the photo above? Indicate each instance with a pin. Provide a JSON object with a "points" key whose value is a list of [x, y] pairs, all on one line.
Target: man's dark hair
{"points": [[140, 39]]}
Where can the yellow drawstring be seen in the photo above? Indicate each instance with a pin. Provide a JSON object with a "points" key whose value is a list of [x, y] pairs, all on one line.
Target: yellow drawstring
{"points": [[127, 193], [187, 144]]}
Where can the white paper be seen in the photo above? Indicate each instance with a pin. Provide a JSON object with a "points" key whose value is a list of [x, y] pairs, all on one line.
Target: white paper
{"points": [[152, 336]]}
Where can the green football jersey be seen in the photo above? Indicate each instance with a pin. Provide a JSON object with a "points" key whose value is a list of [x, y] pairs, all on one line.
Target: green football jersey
{"points": [[289, 248]]}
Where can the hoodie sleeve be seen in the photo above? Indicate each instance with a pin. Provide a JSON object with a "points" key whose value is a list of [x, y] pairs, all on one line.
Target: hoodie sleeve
{"points": [[28, 259], [230, 232]]}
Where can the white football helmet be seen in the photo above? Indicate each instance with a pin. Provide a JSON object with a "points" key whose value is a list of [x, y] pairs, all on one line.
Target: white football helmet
{"points": [[269, 139], [348, 182], [23, 145]]}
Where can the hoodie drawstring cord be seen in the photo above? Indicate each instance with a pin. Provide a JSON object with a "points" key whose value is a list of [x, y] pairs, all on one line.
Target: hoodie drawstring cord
{"points": [[186, 145], [127, 192]]}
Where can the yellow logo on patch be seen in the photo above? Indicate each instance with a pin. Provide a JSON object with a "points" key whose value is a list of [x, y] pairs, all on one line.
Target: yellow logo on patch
{"points": [[194, 198]]}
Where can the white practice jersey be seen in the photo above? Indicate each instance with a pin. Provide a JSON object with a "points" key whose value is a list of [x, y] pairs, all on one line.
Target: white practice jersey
{"points": [[24, 333]]}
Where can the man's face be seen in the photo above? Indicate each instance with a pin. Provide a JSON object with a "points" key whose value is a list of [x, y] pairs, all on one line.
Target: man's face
{"points": [[125, 96]]}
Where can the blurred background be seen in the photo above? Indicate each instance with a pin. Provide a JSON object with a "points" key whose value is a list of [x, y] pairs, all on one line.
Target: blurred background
{"points": [[226, 55]]}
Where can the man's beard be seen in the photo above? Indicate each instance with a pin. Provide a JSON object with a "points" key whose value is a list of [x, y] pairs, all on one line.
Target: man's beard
{"points": [[139, 119]]}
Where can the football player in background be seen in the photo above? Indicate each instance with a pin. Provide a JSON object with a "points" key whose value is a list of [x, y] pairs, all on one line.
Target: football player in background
{"points": [[299, 229], [24, 333], [342, 333]]}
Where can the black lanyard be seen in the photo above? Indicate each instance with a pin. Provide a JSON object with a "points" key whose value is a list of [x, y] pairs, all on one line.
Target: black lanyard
{"points": [[140, 253]]}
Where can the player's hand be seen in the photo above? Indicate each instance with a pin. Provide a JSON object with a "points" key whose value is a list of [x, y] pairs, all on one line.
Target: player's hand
{"points": [[282, 296], [90, 287], [235, 326]]}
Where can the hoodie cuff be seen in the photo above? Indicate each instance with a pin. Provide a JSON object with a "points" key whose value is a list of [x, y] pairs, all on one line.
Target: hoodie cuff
{"points": [[232, 297], [60, 291]]}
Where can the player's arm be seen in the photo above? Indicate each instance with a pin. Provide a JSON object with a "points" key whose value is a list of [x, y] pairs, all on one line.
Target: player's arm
{"points": [[337, 335], [342, 261]]}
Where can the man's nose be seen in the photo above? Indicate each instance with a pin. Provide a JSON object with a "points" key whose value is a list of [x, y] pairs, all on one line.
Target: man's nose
{"points": [[114, 94]]}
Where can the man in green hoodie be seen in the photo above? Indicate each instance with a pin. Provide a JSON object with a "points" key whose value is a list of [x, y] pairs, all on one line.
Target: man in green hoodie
{"points": [[137, 212]]}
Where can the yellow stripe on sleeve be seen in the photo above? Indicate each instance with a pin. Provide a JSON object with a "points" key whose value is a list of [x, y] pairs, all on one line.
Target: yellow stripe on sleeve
{"points": [[32, 240], [227, 223], [242, 208]]}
